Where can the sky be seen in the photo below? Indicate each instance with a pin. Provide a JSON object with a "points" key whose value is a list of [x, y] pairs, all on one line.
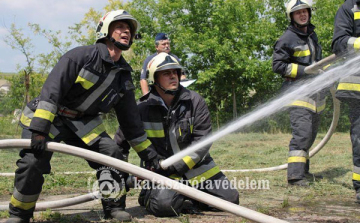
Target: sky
{"points": [[49, 14]]}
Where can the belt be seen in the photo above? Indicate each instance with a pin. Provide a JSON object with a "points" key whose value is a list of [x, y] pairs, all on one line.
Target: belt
{"points": [[66, 112]]}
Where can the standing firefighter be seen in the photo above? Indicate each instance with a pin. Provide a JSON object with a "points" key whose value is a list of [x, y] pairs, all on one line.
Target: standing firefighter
{"points": [[297, 48], [174, 118], [86, 81], [346, 39]]}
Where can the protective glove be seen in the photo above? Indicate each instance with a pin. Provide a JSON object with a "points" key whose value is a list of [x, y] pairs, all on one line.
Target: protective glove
{"points": [[314, 71], [154, 164], [170, 171], [38, 143]]}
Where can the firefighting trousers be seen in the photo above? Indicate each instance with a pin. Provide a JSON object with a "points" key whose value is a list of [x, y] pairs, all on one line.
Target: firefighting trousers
{"points": [[29, 174], [354, 116], [164, 202], [304, 125]]}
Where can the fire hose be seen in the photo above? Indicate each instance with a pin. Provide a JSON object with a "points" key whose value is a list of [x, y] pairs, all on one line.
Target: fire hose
{"points": [[336, 113], [148, 175]]}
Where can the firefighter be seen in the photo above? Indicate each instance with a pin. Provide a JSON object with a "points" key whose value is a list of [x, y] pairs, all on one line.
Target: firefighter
{"points": [[346, 39], [174, 118], [86, 82], [297, 48], [162, 44]]}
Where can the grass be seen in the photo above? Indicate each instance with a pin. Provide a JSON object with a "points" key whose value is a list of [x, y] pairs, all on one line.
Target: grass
{"points": [[235, 151]]}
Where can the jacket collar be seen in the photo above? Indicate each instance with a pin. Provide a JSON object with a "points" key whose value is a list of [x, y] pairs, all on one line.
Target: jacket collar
{"points": [[310, 30], [153, 97], [105, 55]]}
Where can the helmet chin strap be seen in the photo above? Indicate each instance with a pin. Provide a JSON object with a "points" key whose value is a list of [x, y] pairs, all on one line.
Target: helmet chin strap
{"points": [[120, 45], [171, 92]]}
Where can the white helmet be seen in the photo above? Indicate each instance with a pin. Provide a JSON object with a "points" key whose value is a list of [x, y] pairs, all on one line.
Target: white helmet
{"points": [[102, 30], [295, 5], [162, 61]]}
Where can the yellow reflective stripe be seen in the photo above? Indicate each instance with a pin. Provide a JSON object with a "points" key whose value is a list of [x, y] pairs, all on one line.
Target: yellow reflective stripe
{"points": [[142, 146], [357, 43], [348, 87], [294, 70], [189, 162], [25, 120], [356, 177], [105, 97], [326, 67], [297, 159], [302, 53], [22, 205], [179, 131], [155, 133], [204, 176], [84, 83], [191, 128], [321, 108], [304, 104], [93, 134], [175, 177], [51, 135], [356, 15], [44, 114]]}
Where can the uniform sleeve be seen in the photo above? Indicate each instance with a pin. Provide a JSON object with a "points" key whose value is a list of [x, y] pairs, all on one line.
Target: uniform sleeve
{"points": [[200, 129], [128, 116], [343, 31], [282, 62], [143, 70], [54, 89]]}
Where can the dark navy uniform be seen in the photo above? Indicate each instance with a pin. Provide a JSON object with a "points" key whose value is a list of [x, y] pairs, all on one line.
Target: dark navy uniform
{"points": [[292, 53], [84, 83], [172, 129], [346, 40]]}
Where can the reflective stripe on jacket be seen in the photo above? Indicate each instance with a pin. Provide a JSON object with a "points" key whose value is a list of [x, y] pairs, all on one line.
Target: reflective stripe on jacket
{"points": [[173, 129], [294, 51], [346, 37]]}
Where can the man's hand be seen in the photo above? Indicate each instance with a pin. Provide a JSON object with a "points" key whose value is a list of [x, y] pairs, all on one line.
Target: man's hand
{"points": [[154, 164], [313, 71], [38, 143]]}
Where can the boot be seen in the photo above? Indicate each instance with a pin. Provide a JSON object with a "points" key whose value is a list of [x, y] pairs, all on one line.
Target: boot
{"points": [[313, 177], [115, 209], [299, 183], [16, 219], [121, 215]]}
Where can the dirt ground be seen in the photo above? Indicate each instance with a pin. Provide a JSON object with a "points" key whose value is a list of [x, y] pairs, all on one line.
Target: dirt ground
{"points": [[343, 210]]}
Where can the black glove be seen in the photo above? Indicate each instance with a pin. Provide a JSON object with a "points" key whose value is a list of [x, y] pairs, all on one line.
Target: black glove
{"points": [[154, 164], [171, 170], [38, 143]]}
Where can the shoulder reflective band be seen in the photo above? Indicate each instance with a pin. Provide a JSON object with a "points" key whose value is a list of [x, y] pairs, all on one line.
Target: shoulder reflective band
{"points": [[86, 79]]}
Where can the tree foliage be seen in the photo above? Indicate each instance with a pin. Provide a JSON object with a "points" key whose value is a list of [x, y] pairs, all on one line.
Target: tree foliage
{"points": [[226, 45]]}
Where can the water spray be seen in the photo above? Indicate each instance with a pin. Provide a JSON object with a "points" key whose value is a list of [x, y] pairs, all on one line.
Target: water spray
{"points": [[308, 87]]}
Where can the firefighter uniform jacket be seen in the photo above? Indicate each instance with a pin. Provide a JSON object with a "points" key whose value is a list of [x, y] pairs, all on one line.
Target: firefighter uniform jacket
{"points": [[83, 84], [346, 37], [173, 129], [293, 51]]}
